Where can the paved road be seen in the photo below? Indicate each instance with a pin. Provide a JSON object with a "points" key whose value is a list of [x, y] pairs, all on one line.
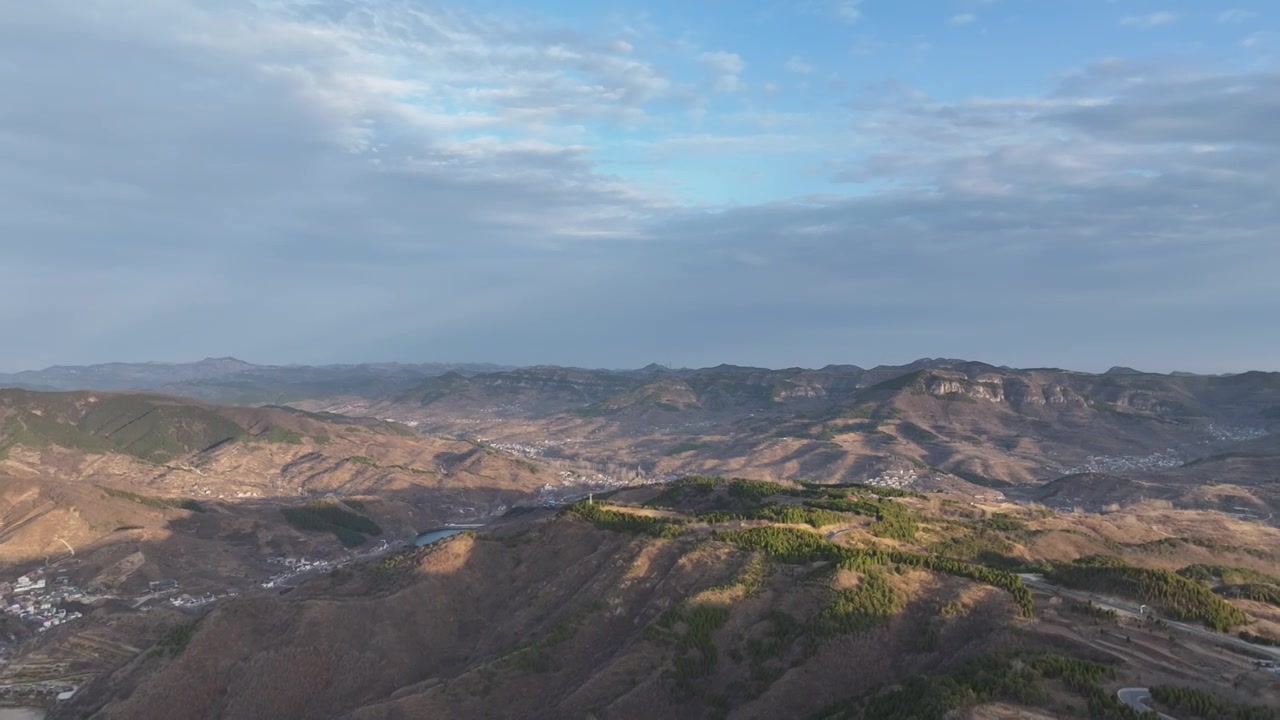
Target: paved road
{"points": [[1137, 698], [1035, 581]]}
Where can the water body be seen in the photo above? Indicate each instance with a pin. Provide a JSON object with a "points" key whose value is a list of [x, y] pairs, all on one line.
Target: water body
{"points": [[425, 538], [17, 713]]}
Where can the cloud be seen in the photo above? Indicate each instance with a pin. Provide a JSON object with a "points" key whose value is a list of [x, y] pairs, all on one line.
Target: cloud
{"points": [[725, 62], [727, 66], [1151, 20], [849, 11], [1236, 110], [1258, 39], [337, 182], [796, 64], [962, 19], [1236, 15]]}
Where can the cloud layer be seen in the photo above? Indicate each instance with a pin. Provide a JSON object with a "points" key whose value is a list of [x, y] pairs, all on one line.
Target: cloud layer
{"points": [[332, 181]]}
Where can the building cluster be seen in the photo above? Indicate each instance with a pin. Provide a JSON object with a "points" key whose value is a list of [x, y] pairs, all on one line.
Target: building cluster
{"points": [[24, 691], [575, 485], [294, 567], [1235, 434], [683, 428], [534, 450], [894, 478], [1114, 464], [504, 409], [37, 599], [185, 600]]}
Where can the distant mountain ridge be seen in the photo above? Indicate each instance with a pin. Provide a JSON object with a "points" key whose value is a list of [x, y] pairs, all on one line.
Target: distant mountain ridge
{"points": [[544, 390], [230, 380]]}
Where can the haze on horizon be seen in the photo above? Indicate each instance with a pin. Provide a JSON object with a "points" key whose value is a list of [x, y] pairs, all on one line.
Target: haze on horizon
{"points": [[763, 183]]}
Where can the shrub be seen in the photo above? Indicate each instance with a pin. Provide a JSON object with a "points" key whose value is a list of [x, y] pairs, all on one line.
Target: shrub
{"points": [[695, 652], [1198, 703], [789, 514], [859, 609], [1258, 639], [1258, 592], [348, 527], [1169, 592], [1010, 677], [159, 503], [793, 545], [1226, 574], [1003, 522], [279, 434], [754, 489], [173, 642], [607, 519], [679, 490]]}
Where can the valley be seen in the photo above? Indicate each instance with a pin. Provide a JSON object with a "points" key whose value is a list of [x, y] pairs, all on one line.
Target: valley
{"points": [[582, 543]]}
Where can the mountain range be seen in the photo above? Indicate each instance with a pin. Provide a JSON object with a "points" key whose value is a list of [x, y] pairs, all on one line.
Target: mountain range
{"points": [[840, 542], [229, 380]]}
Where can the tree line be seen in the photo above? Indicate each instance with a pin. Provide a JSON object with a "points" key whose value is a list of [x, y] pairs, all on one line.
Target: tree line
{"points": [[1201, 704], [793, 545], [1168, 592]]}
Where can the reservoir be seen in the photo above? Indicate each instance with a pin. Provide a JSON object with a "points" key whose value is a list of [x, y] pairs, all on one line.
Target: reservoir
{"points": [[425, 538]]}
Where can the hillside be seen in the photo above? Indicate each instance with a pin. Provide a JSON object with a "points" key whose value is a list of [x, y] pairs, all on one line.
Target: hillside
{"points": [[702, 598], [176, 445], [652, 604], [932, 424], [92, 475]]}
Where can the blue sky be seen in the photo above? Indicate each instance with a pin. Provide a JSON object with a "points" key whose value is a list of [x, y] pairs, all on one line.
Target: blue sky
{"points": [[1080, 184]]}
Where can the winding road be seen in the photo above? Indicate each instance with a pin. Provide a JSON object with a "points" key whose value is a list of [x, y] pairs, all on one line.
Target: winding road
{"points": [[1038, 582], [1136, 698]]}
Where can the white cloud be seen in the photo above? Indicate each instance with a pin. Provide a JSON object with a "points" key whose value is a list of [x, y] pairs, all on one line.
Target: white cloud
{"points": [[622, 46], [1257, 39], [849, 11], [962, 19], [796, 64], [727, 67], [400, 177], [725, 62], [1150, 20], [1236, 15]]}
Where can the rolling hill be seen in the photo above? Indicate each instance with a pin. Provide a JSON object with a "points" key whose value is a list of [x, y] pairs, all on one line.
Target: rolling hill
{"points": [[651, 604], [940, 423]]}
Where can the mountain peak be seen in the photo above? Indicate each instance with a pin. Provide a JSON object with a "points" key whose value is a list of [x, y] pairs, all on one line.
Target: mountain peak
{"points": [[1122, 370]]}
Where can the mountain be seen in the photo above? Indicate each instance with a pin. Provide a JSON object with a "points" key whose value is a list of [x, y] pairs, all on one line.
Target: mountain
{"points": [[936, 422], [87, 473], [1122, 370], [228, 380], [123, 376], [647, 604], [868, 566]]}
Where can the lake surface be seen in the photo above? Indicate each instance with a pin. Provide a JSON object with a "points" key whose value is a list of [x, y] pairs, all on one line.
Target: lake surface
{"points": [[425, 538], [15, 713]]}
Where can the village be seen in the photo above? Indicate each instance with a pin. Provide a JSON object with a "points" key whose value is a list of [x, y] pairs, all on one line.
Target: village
{"points": [[39, 600], [296, 568]]}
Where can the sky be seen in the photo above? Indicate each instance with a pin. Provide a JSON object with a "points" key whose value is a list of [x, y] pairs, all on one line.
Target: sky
{"points": [[1080, 183]]}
